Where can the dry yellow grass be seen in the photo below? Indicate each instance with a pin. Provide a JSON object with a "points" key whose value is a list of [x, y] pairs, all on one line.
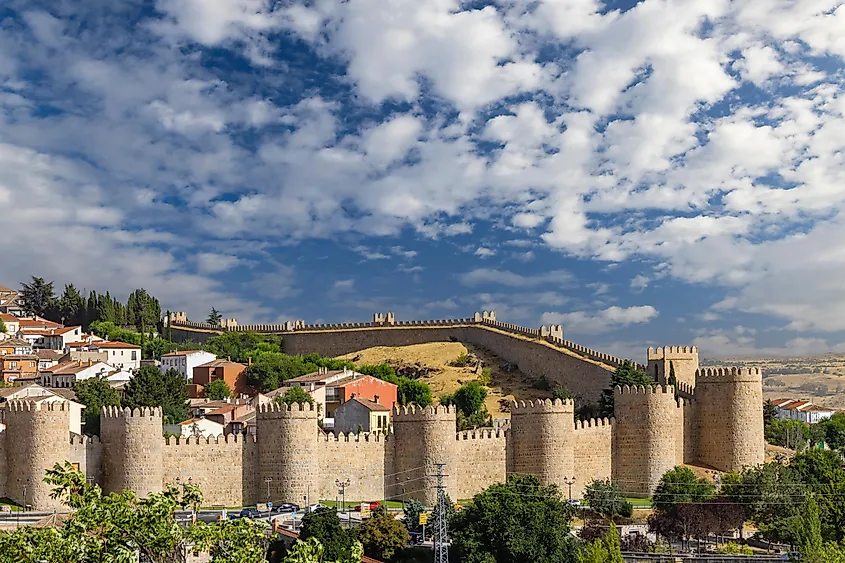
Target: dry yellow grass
{"points": [[447, 379]]}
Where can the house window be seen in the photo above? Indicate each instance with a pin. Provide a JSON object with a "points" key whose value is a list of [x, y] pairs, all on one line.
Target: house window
{"points": [[75, 466], [13, 365], [133, 354]]}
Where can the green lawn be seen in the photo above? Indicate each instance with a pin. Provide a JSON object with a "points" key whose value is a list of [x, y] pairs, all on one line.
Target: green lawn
{"points": [[642, 502], [10, 503], [354, 503]]}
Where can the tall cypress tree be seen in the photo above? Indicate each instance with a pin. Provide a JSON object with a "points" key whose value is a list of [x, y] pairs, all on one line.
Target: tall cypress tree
{"points": [[673, 380]]}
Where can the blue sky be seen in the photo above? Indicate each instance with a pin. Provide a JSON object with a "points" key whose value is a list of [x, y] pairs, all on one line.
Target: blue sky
{"points": [[644, 173]]}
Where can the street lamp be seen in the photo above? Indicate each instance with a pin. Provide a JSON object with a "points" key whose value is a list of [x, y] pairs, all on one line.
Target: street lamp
{"points": [[341, 485], [569, 481], [268, 480]]}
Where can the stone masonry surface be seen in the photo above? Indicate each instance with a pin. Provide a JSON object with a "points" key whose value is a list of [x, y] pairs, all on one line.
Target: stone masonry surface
{"points": [[714, 422]]}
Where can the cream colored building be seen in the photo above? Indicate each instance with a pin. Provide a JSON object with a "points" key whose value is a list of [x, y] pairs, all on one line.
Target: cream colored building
{"points": [[358, 411], [121, 354]]}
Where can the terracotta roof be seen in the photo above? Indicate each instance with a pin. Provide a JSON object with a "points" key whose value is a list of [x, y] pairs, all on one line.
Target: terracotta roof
{"points": [[8, 318], [193, 420], [114, 344], [315, 376], [27, 323], [15, 342], [220, 363], [182, 353], [19, 357], [72, 367], [49, 354], [223, 410], [371, 405]]}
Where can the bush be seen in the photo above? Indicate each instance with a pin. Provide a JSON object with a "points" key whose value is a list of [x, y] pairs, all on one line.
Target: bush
{"points": [[486, 377], [561, 392], [542, 383], [295, 395], [732, 548], [461, 361]]}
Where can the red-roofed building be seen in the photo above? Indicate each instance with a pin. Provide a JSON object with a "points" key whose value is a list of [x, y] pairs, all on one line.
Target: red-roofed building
{"points": [[121, 354]]}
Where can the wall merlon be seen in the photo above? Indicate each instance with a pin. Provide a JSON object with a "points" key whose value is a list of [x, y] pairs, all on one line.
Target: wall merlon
{"points": [[295, 410], [22, 405], [355, 437], [126, 412], [78, 440], [704, 375], [543, 405], [414, 412], [481, 434]]}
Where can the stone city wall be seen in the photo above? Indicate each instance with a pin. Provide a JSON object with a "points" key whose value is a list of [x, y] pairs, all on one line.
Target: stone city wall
{"points": [[224, 467], [365, 459], [3, 467], [482, 460], [593, 452], [87, 453]]}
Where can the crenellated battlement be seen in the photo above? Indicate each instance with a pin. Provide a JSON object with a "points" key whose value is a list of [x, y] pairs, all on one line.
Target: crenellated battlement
{"points": [[355, 437], [672, 352], [22, 405], [645, 390], [543, 406], [726, 374], [276, 410], [220, 439], [482, 434], [417, 413], [593, 423], [81, 440], [126, 412]]}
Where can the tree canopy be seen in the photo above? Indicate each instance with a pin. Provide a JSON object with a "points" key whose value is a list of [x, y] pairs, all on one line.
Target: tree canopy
{"points": [[218, 390], [95, 393], [681, 486], [469, 402], [382, 536], [626, 374], [38, 297], [151, 388], [324, 525], [605, 497], [115, 527], [214, 317], [520, 520], [295, 395]]}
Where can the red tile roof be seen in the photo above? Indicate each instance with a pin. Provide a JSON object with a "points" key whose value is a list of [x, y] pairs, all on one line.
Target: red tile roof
{"points": [[182, 353], [114, 344]]}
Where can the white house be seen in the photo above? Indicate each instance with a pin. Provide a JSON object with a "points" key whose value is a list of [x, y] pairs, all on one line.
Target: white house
{"points": [[805, 411], [66, 374], [121, 354], [38, 393], [12, 325], [185, 361], [195, 427]]}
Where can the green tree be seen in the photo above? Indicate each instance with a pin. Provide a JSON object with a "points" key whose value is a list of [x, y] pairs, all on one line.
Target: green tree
{"points": [[681, 486], [415, 392], [604, 550], [115, 527], [834, 429], [811, 544], [605, 497], [770, 412], [95, 393], [312, 551], [218, 390], [142, 310], [382, 536], [520, 520], [413, 508], [561, 392], [382, 371], [71, 307], [469, 402], [324, 525], [3, 328], [673, 379], [231, 541], [151, 388], [626, 374], [792, 434], [295, 395], [38, 298], [237, 345], [214, 317]]}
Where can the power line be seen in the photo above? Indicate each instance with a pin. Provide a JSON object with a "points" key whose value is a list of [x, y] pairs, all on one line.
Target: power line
{"points": [[441, 539]]}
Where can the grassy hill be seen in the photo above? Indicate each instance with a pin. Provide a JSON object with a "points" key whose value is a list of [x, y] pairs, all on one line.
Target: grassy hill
{"points": [[432, 361]]}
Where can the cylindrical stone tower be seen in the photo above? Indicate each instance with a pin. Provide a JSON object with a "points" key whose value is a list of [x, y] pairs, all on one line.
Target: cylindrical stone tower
{"points": [[133, 450], [542, 435], [37, 437], [287, 452], [648, 420], [424, 437], [730, 427]]}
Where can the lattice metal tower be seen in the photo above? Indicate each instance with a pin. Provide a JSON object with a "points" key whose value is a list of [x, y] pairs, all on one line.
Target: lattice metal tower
{"points": [[441, 537]]}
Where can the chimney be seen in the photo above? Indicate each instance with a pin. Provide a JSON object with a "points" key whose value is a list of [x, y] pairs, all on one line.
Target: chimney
{"points": [[228, 358], [353, 396], [375, 398], [249, 361]]}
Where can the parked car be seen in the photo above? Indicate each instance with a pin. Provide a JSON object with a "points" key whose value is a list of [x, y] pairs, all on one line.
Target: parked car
{"points": [[249, 512], [316, 507], [416, 538], [286, 507]]}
